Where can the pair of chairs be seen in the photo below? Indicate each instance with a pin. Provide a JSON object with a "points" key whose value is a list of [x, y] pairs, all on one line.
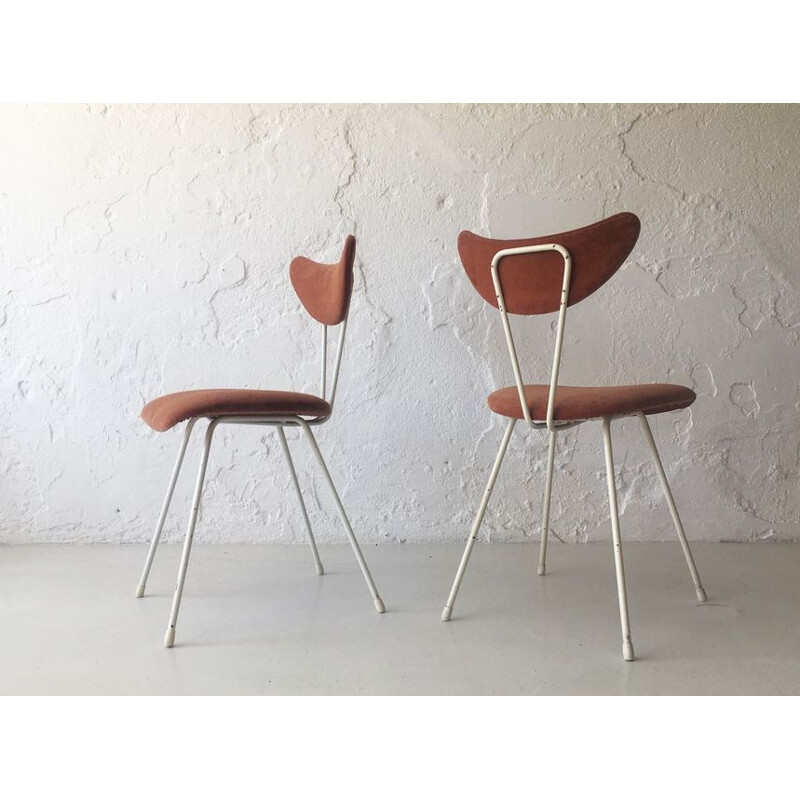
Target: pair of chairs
{"points": [[542, 275]]}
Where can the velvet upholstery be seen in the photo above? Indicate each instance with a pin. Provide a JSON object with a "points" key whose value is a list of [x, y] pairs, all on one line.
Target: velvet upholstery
{"points": [[532, 283], [590, 402], [161, 414], [325, 289]]}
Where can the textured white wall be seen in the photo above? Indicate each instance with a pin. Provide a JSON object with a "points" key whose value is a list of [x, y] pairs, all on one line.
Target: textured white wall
{"points": [[144, 250]]}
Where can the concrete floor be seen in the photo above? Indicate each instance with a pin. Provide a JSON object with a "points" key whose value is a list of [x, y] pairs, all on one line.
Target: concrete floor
{"points": [[257, 620]]}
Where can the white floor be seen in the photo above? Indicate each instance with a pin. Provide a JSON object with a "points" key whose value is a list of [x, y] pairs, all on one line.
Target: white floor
{"points": [[258, 620]]}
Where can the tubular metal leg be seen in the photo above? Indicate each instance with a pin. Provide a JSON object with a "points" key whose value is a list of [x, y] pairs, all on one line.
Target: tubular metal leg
{"points": [[473, 534], [165, 508], [379, 606], [627, 646], [285, 446], [169, 638], [673, 509], [546, 506]]}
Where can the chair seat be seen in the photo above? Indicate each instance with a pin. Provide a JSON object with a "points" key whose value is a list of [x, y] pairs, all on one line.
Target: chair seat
{"points": [[590, 402], [164, 412]]}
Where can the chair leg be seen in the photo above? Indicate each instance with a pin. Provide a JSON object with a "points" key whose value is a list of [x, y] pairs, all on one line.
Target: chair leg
{"points": [[627, 646], [169, 638], [379, 606], [315, 552], [164, 509], [673, 509], [546, 505], [447, 611]]}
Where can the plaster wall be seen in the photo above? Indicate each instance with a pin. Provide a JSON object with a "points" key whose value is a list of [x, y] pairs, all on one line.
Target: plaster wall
{"points": [[144, 250]]}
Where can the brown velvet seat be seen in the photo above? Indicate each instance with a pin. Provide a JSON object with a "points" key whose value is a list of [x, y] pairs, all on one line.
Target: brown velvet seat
{"points": [[165, 412], [591, 402]]}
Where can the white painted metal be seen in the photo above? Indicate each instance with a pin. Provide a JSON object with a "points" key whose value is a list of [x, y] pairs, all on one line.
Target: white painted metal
{"points": [[169, 638], [562, 317], [303, 511], [165, 508], [339, 351], [324, 360], [627, 645], [379, 606], [447, 611], [673, 509], [551, 451]]}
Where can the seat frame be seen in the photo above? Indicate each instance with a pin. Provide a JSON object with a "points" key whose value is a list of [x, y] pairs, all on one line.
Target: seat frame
{"points": [[280, 423], [553, 427]]}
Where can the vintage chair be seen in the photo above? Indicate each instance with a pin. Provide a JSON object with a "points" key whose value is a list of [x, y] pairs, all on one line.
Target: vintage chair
{"points": [[544, 275], [324, 290]]}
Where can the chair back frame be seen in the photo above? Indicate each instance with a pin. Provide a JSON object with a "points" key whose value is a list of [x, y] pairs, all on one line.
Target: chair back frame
{"points": [[562, 318], [337, 361]]}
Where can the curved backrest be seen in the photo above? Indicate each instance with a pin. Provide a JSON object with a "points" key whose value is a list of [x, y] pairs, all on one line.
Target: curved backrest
{"points": [[325, 289], [531, 283]]}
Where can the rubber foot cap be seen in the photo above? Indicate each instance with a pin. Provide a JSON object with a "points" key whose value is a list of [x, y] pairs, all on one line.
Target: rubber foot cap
{"points": [[379, 606], [701, 595], [320, 569], [447, 612], [627, 651], [169, 639], [541, 571], [140, 591]]}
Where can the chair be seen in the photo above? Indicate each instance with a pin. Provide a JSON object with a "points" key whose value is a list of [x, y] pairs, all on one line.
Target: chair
{"points": [[324, 290], [544, 275]]}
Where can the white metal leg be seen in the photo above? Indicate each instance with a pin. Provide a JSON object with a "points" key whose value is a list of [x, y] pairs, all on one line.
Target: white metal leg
{"points": [[627, 646], [169, 638], [673, 509], [165, 508], [546, 505], [476, 525], [285, 446], [379, 606]]}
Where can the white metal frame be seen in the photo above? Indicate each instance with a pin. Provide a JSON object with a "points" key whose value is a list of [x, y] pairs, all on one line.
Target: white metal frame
{"points": [[280, 423], [553, 427]]}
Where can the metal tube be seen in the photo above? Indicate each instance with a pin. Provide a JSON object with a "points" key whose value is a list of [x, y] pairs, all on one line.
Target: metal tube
{"points": [[673, 509], [324, 361], [176, 470], [447, 611], [562, 316], [546, 505], [339, 351], [303, 511], [169, 638], [379, 606], [622, 595]]}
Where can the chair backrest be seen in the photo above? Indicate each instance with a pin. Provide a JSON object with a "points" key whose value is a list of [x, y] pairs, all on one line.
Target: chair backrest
{"points": [[532, 282], [546, 274], [325, 291]]}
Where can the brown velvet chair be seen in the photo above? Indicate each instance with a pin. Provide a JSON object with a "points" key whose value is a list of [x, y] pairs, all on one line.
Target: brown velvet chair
{"points": [[548, 274], [324, 290]]}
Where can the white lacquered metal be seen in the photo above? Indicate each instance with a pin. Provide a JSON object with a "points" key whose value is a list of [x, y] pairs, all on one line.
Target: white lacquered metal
{"points": [[379, 606], [622, 595], [673, 509], [303, 510], [548, 486], [447, 611], [165, 508], [169, 638], [337, 365], [562, 317], [324, 376]]}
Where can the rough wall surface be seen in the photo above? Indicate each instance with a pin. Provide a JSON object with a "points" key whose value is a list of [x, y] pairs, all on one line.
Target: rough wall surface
{"points": [[145, 249]]}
